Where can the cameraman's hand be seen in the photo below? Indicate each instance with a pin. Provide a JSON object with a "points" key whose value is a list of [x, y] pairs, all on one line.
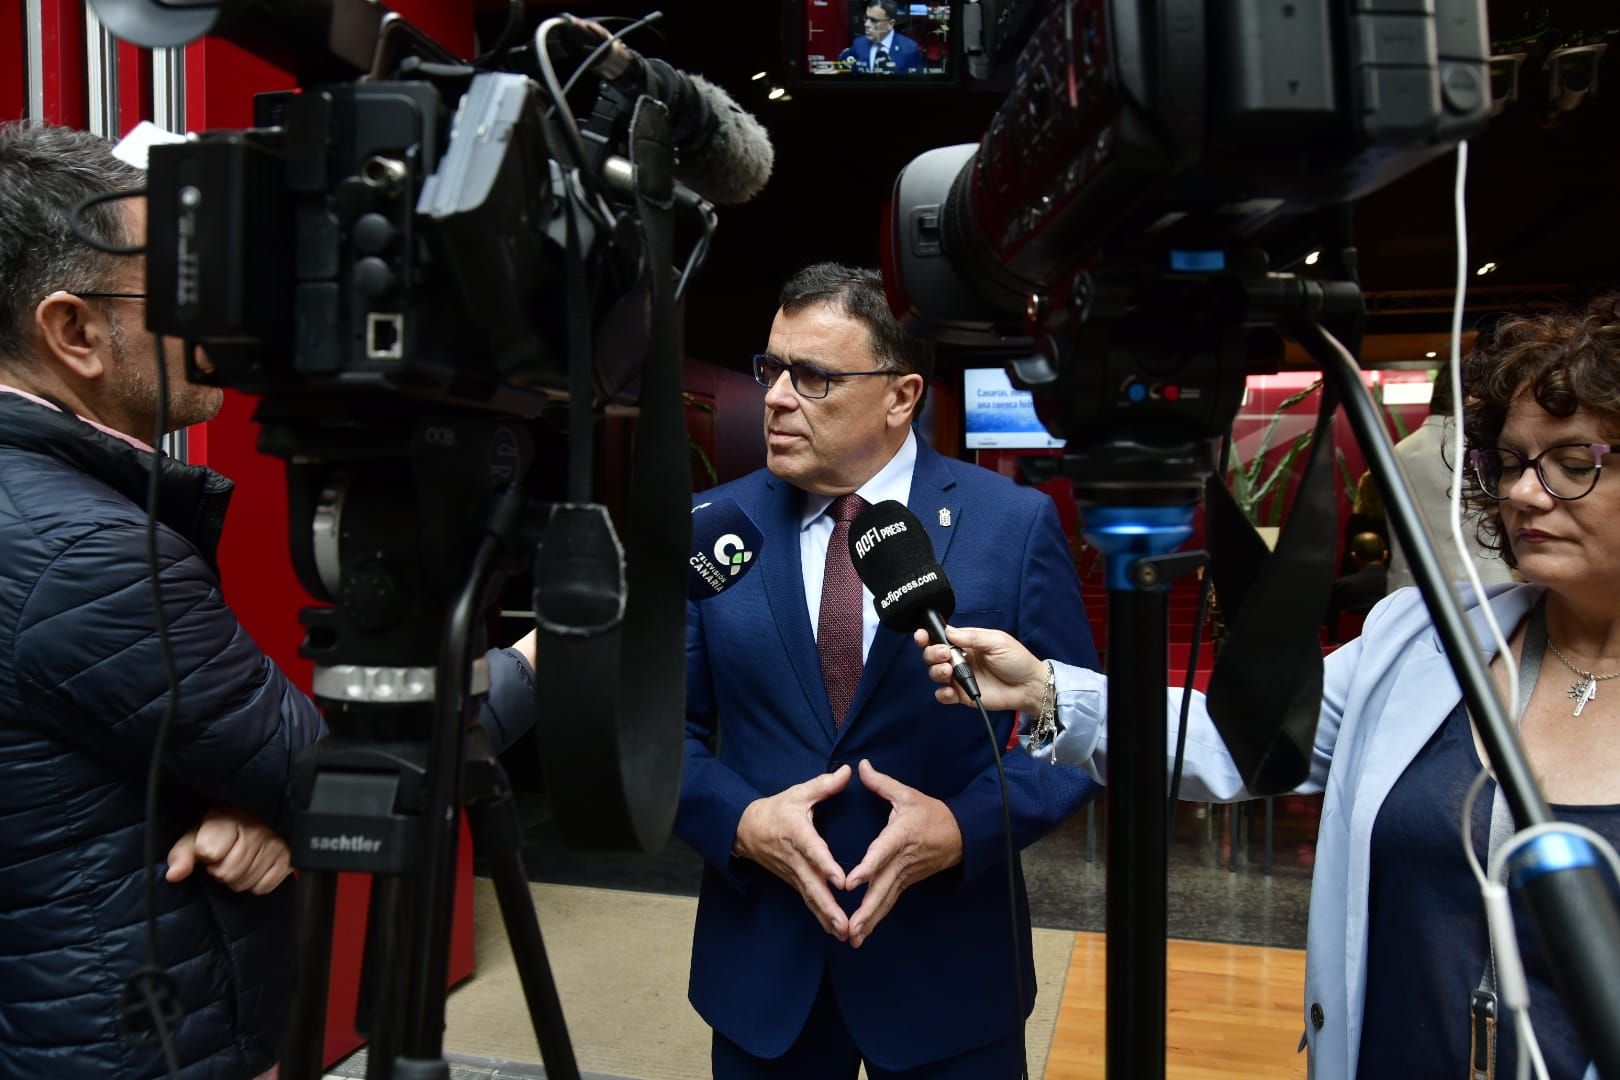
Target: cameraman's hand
{"points": [[238, 850], [1010, 677], [777, 833]]}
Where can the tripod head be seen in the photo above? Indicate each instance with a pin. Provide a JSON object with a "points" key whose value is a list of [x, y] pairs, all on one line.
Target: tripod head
{"points": [[1142, 371]]}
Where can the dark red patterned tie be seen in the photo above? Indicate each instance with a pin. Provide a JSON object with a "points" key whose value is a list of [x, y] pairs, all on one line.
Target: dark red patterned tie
{"points": [[838, 631]]}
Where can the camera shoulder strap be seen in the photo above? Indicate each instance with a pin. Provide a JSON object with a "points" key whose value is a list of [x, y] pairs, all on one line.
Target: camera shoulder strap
{"points": [[611, 643], [1265, 693]]}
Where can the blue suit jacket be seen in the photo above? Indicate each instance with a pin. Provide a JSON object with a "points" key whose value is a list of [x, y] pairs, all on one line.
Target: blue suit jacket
{"points": [[905, 55], [935, 977]]}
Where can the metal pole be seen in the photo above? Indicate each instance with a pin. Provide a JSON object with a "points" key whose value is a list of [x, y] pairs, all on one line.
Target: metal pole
{"points": [[101, 73], [1138, 845]]}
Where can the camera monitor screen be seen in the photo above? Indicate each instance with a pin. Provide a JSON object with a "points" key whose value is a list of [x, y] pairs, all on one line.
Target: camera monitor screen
{"points": [[999, 417], [847, 42]]}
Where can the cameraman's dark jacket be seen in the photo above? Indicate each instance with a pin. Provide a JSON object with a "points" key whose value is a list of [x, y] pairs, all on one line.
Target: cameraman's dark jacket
{"points": [[82, 689]]}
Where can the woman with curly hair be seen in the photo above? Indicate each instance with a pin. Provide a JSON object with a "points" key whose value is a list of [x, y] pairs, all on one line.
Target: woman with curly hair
{"points": [[1398, 963]]}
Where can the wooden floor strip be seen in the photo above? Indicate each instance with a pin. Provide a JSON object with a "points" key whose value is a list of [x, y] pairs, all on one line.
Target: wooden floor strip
{"points": [[1233, 1011]]}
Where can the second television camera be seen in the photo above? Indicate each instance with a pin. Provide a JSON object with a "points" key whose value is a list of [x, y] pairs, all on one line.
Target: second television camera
{"points": [[1176, 143]]}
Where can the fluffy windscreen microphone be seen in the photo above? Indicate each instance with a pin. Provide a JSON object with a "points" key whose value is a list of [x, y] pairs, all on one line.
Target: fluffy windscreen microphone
{"points": [[895, 560], [730, 163], [722, 152], [725, 543]]}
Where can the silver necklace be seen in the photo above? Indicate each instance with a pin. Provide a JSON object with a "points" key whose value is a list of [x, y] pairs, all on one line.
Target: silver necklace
{"points": [[1583, 689]]}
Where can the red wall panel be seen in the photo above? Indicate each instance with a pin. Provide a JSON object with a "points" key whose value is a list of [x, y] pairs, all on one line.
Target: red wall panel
{"points": [[62, 41], [134, 86], [13, 62]]}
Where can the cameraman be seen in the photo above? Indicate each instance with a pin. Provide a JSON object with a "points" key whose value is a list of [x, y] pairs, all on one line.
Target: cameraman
{"points": [[83, 687]]}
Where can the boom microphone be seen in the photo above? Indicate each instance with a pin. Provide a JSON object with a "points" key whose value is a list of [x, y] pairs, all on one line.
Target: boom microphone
{"points": [[722, 152], [895, 560], [725, 541]]}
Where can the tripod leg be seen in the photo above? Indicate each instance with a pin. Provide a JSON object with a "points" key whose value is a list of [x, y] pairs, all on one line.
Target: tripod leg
{"points": [[304, 1038], [534, 970], [387, 938], [1136, 909], [497, 835]]}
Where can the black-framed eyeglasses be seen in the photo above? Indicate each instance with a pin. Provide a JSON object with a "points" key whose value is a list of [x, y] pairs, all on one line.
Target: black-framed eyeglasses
{"points": [[1566, 471], [93, 294], [876, 22], [809, 381]]}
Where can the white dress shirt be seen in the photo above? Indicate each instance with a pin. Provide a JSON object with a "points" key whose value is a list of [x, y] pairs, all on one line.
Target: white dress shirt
{"points": [[887, 45], [893, 481]]}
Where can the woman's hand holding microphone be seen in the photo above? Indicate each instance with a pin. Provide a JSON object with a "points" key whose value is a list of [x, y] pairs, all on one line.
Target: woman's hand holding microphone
{"points": [[1010, 676]]}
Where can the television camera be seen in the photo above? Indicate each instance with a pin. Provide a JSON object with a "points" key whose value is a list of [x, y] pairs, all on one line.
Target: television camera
{"points": [[1119, 236], [415, 260]]}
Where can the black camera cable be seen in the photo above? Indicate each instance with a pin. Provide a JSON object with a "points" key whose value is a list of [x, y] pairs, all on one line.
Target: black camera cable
{"points": [[515, 10], [150, 1002], [1019, 994], [1205, 590], [590, 60], [706, 221], [559, 100]]}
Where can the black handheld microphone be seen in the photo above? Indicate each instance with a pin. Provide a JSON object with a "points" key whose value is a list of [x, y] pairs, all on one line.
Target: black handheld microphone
{"points": [[725, 542], [895, 560], [723, 152]]}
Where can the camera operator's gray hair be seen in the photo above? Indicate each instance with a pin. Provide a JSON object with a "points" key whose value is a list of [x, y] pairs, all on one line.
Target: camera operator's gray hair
{"points": [[44, 171], [858, 293]]}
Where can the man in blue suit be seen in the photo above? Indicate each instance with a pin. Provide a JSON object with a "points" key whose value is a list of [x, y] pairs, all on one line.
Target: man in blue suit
{"points": [[881, 48], [854, 903]]}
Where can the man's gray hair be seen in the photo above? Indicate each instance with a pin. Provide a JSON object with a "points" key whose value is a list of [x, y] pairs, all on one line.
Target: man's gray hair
{"points": [[44, 171]]}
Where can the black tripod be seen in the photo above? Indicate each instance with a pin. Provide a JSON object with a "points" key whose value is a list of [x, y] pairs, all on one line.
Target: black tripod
{"points": [[407, 526], [1136, 541], [497, 834]]}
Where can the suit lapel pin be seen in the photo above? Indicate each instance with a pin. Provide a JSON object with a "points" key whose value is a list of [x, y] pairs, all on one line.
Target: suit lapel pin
{"points": [[944, 517]]}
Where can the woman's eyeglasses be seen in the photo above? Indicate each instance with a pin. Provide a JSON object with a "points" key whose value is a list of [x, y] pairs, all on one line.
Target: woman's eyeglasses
{"points": [[1568, 471], [809, 381]]}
